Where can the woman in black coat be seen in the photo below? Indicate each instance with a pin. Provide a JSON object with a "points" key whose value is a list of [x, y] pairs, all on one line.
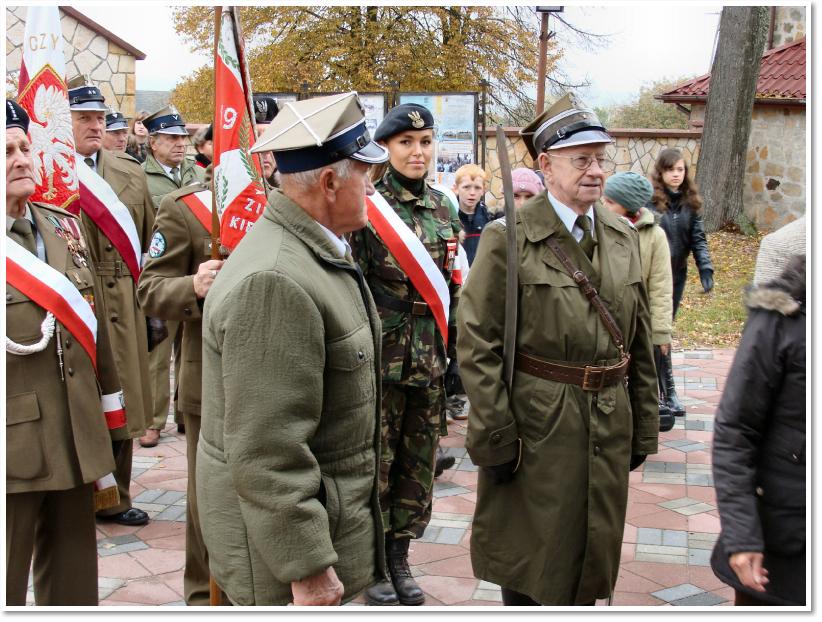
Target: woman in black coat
{"points": [[676, 199], [759, 450]]}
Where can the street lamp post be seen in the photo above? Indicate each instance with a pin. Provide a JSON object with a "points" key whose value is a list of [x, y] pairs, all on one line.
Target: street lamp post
{"points": [[544, 35]]}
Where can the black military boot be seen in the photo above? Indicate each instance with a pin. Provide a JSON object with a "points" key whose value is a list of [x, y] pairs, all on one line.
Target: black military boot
{"points": [[666, 416], [408, 591], [382, 594], [443, 462], [670, 388]]}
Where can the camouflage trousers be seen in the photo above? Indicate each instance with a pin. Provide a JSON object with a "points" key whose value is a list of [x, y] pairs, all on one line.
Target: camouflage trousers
{"points": [[412, 422]]}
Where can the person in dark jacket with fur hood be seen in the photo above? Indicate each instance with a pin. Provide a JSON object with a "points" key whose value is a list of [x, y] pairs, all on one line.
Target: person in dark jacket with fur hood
{"points": [[759, 449], [677, 201]]}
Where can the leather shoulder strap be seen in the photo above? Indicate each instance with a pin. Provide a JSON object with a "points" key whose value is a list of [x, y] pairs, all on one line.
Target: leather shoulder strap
{"points": [[581, 279]]}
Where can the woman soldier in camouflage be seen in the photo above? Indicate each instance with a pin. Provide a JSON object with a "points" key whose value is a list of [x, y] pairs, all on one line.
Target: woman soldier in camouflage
{"points": [[414, 348]]}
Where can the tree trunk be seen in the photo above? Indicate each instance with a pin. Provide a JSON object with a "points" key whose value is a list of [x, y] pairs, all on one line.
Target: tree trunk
{"points": [[721, 172]]}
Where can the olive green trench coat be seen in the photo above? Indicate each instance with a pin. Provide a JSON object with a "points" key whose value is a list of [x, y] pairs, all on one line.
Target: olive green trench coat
{"points": [[554, 533]]}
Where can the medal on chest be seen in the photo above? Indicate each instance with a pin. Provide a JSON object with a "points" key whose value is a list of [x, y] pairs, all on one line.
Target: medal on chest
{"points": [[451, 254]]}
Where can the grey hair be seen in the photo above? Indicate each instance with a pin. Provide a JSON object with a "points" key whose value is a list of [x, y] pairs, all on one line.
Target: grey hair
{"points": [[199, 137], [307, 179]]}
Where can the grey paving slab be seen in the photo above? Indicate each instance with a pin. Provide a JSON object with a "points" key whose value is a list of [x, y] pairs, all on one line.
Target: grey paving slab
{"points": [[450, 492], [677, 592], [457, 452], [674, 537], [697, 508], [105, 551], [696, 479], [450, 535], [699, 355], [647, 535], [699, 557], [490, 595], [148, 496], [706, 599], [172, 513], [677, 503], [684, 367], [656, 549], [691, 401], [169, 497], [430, 535], [486, 585], [663, 478], [115, 540], [676, 443], [693, 447], [107, 585], [661, 559], [153, 509]]}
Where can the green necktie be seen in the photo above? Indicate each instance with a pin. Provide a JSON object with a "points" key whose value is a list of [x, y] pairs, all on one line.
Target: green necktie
{"points": [[89, 162], [587, 243], [22, 227], [175, 172]]}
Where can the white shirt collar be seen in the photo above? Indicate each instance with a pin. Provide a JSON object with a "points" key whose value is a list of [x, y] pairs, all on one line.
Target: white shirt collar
{"points": [[93, 157], [569, 216], [340, 245], [168, 169]]}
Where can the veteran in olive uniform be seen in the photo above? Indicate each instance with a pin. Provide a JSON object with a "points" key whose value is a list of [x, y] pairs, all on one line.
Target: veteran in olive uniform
{"points": [[555, 450], [287, 463], [57, 438], [173, 286], [118, 289], [413, 350], [167, 169]]}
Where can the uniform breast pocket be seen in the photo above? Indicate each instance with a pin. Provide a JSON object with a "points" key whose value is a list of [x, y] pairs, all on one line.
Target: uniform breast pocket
{"points": [[25, 455], [349, 371], [23, 318], [438, 247]]}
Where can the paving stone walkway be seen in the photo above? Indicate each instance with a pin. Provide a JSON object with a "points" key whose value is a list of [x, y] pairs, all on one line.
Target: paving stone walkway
{"points": [[672, 521]]}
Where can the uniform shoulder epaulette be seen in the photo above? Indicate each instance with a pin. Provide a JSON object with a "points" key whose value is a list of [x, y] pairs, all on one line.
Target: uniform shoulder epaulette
{"points": [[189, 189], [53, 208]]}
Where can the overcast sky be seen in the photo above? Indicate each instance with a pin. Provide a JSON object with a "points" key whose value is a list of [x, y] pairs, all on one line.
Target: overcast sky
{"points": [[648, 41]]}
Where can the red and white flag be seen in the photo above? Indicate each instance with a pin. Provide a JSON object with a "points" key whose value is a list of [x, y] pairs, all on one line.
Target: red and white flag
{"points": [[44, 96], [238, 184]]}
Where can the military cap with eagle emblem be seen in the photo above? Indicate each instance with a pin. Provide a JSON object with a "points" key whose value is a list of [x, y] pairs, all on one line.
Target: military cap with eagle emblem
{"points": [[16, 116], [115, 121], [265, 108], [565, 124], [83, 95], [313, 133], [167, 120], [403, 118]]}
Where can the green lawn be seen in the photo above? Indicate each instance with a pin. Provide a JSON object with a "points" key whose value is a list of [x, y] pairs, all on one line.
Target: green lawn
{"points": [[716, 319]]}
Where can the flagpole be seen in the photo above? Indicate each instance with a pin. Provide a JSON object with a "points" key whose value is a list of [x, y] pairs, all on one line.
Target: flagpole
{"points": [[215, 597], [215, 217]]}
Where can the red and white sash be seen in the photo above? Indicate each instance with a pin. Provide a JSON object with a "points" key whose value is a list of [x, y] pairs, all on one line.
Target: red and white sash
{"points": [[99, 202], [200, 205], [413, 258], [51, 290]]}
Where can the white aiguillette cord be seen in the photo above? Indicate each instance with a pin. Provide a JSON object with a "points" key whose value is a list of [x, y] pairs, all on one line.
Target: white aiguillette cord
{"points": [[47, 331]]}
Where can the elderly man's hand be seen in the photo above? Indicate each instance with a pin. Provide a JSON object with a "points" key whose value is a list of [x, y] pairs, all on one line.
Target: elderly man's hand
{"points": [[206, 273], [321, 589]]}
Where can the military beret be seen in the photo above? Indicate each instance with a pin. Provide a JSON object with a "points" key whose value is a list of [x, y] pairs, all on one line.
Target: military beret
{"points": [[313, 133], [115, 121], [265, 108], [167, 120], [83, 95], [403, 118], [565, 124], [16, 116], [629, 189]]}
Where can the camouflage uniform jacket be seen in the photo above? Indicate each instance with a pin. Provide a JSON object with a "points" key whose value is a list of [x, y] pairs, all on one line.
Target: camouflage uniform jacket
{"points": [[413, 352]]}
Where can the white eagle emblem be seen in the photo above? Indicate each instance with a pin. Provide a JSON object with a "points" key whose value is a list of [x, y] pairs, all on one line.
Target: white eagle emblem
{"points": [[52, 140]]}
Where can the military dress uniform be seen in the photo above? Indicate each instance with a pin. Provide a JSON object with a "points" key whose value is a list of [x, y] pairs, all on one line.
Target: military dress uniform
{"points": [[57, 440], [118, 301], [414, 358], [166, 291], [160, 183]]}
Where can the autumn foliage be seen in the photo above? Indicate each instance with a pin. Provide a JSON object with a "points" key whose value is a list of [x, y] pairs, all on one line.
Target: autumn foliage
{"points": [[373, 48]]}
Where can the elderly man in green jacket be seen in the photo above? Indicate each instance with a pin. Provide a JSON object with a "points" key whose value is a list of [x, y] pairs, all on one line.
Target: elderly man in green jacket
{"points": [[288, 457], [554, 448]]}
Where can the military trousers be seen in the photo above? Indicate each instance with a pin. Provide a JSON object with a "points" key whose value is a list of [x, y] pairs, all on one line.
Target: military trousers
{"points": [[159, 366], [56, 529], [123, 453], [412, 420]]}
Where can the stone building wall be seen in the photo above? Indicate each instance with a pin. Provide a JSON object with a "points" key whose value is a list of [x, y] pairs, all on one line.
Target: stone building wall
{"points": [[87, 52], [789, 24], [634, 150]]}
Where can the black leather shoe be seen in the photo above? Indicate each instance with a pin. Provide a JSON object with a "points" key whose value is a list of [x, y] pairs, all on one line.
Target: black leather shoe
{"points": [[382, 594], [132, 516], [408, 591], [443, 462]]}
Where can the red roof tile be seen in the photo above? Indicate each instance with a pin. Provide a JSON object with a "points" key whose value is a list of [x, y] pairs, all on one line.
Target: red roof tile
{"points": [[781, 76]]}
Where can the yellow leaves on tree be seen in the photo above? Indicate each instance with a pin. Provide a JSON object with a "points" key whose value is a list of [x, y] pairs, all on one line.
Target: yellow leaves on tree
{"points": [[372, 48]]}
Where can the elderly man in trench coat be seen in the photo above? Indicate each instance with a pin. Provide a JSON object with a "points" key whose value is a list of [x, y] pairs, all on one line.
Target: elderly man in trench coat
{"points": [[555, 450], [288, 456]]}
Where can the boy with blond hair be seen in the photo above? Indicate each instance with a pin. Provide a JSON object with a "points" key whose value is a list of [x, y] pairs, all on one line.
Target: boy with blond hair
{"points": [[469, 186]]}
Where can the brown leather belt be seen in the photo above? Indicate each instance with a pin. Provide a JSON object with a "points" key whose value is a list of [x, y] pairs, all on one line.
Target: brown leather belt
{"points": [[416, 307], [111, 268], [589, 377]]}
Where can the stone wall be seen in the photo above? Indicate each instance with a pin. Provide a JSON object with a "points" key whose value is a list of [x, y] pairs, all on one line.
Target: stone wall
{"points": [[87, 52], [634, 150], [789, 24]]}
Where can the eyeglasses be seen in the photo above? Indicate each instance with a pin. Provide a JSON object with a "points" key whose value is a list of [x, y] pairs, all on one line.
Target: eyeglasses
{"points": [[582, 162]]}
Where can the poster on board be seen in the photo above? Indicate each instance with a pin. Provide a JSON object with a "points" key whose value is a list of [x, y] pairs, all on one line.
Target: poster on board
{"points": [[374, 105], [455, 123]]}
